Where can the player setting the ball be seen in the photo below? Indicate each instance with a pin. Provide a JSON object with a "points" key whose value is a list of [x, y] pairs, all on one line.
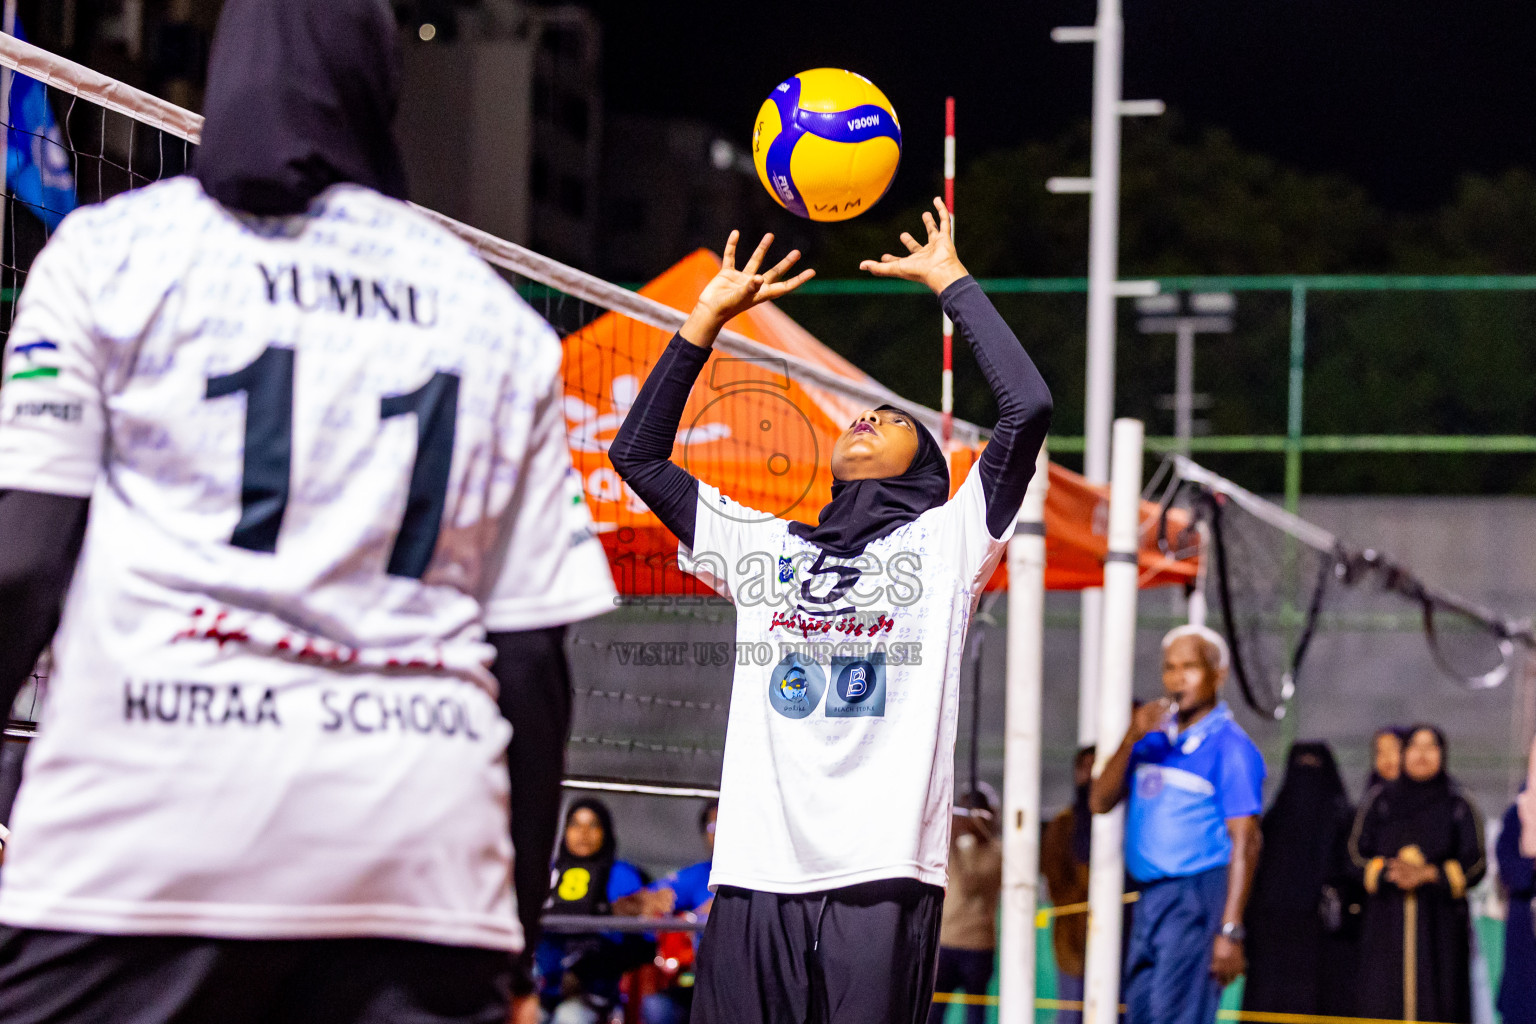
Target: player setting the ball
{"points": [[833, 832]]}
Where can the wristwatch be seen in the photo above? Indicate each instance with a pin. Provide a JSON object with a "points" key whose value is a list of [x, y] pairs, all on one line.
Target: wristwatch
{"points": [[1234, 931]]}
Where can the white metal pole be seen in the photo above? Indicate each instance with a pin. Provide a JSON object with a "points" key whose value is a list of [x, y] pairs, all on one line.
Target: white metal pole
{"points": [[1103, 270], [1184, 384], [1103, 240], [1023, 738], [1106, 870], [1089, 648]]}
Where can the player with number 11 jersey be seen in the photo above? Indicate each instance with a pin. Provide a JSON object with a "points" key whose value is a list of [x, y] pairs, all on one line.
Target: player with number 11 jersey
{"points": [[324, 454]]}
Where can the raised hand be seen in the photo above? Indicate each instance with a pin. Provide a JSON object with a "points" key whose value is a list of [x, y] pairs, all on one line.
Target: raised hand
{"points": [[933, 263], [731, 291]]}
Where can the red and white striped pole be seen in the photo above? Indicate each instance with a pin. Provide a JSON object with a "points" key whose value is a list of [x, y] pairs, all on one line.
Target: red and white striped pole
{"points": [[947, 397]]}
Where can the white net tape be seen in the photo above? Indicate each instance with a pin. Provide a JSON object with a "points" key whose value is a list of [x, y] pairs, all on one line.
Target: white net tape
{"points": [[77, 80]]}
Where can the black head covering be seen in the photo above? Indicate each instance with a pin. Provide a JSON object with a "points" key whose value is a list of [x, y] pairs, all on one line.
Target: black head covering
{"points": [[301, 95], [862, 511], [1414, 812], [590, 894], [1301, 829]]}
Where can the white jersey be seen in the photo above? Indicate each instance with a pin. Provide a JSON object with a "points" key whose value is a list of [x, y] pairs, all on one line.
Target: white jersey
{"points": [[839, 749], [325, 454]]}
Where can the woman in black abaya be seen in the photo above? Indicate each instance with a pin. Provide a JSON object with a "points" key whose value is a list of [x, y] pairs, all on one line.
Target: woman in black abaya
{"points": [[1294, 954], [1417, 846]]}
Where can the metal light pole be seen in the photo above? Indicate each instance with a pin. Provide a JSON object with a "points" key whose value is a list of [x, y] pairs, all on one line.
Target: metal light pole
{"points": [[1185, 316], [1103, 188]]}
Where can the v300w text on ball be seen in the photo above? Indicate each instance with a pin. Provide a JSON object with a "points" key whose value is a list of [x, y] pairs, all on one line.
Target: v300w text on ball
{"points": [[826, 144]]}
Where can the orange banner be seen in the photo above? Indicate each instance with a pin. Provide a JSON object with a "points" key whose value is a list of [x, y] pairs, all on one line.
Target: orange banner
{"points": [[765, 439]]}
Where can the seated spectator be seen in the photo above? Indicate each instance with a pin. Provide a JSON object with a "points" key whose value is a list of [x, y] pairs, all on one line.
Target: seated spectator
{"points": [[1064, 848], [579, 974], [1417, 846], [1293, 948], [1194, 783], [689, 896], [1517, 872], [968, 926]]}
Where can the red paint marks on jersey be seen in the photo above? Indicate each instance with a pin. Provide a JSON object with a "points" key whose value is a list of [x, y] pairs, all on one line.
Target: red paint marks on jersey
{"points": [[215, 630]]}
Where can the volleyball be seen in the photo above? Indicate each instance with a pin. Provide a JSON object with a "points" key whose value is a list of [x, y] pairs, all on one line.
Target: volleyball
{"points": [[826, 144]]}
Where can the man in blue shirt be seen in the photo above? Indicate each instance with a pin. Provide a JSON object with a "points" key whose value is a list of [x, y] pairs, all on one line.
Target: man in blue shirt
{"points": [[1195, 783]]}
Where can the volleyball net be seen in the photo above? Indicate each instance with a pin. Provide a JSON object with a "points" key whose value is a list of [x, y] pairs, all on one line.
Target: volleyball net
{"points": [[651, 679], [1284, 589]]}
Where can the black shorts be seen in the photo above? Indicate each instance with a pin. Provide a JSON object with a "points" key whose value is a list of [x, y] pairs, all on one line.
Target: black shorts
{"points": [[72, 978], [864, 954]]}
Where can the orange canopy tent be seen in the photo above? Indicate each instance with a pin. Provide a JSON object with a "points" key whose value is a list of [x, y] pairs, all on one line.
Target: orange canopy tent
{"points": [[763, 436]]}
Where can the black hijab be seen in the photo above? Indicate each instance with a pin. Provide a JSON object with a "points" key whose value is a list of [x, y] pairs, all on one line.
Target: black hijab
{"points": [[1301, 829], [301, 95], [862, 511], [1414, 812], [588, 895]]}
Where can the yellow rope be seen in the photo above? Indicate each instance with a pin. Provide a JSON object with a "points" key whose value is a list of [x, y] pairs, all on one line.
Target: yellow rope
{"points": [[1251, 1016], [1044, 914]]}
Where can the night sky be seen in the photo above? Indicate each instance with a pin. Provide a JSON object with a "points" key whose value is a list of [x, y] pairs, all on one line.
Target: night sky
{"points": [[1402, 97]]}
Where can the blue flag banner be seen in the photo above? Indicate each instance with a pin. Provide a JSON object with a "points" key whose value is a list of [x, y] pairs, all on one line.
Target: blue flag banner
{"points": [[37, 165]]}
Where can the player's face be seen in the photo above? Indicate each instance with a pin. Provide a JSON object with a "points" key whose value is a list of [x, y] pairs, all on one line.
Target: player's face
{"points": [[1189, 677], [880, 443], [709, 832], [1388, 756], [1422, 756], [584, 833]]}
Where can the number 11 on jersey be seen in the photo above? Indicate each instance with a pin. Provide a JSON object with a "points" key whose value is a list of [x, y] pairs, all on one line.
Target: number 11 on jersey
{"points": [[268, 387]]}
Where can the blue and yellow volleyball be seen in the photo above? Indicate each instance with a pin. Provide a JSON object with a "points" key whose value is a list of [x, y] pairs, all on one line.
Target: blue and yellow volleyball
{"points": [[826, 144]]}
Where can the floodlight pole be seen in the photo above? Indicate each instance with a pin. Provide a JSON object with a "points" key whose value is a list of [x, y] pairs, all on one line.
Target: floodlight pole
{"points": [[1103, 186]]}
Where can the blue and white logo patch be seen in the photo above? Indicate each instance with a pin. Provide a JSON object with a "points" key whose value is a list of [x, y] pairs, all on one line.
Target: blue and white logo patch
{"points": [[795, 686], [858, 690]]}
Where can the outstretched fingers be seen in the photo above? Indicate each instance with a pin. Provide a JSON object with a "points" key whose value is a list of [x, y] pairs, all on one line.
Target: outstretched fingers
{"points": [[757, 255], [885, 268], [728, 256], [944, 220], [774, 290], [910, 242], [782, 267]]}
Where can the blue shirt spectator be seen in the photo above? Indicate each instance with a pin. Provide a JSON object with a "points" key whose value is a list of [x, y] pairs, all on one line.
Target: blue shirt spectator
{"points": [[1194, 781], [1182, 793]]}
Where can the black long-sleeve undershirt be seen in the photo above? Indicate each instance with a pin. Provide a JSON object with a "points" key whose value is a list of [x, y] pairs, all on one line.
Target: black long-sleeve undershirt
{"points": [[42, 535], [642, 449], [1023, 401]]}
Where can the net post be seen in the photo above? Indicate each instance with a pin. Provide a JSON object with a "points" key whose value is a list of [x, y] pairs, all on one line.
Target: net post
{"points": [[947, 397], [1022, 742], [1106, 870], [1293, 438], [1294, 398]]}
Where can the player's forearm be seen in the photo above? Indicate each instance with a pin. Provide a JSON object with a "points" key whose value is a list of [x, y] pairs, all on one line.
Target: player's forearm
{"points": [[1023, 400], [1246, 841], [1108, 788], [642, 449], [42, 540]]}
